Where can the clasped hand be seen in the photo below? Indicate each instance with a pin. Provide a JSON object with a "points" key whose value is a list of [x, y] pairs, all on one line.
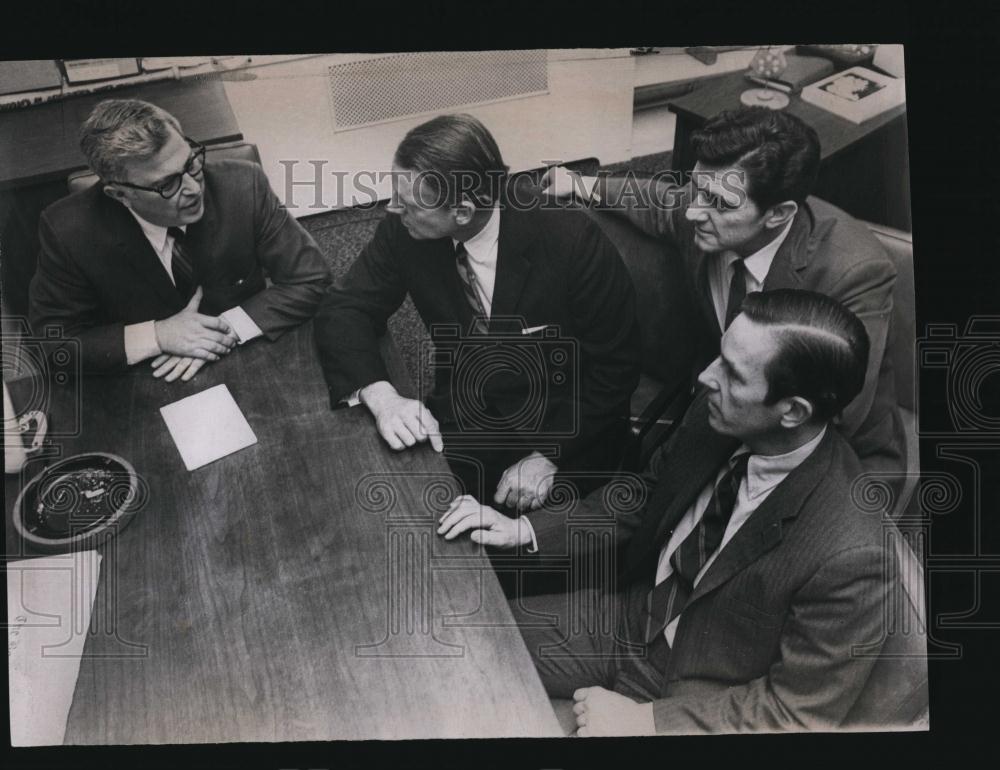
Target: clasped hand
{"points": [[526, 484], [189, 340], [489, 526]]}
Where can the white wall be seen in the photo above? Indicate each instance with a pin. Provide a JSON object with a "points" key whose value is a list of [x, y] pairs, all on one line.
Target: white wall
{"points": [[285, 110]]}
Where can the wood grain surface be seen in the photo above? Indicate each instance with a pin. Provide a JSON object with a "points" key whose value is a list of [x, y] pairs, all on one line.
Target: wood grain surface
{"points": [[295, 590]]}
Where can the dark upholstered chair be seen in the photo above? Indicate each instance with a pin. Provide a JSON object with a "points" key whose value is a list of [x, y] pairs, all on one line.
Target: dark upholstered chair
{"points": [[669, 347], [902, 347]]}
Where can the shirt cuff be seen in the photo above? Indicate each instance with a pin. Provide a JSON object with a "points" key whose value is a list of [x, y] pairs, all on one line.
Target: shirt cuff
{"points": [[241, 323], [140, 342], [531, 531], [352, 400]]}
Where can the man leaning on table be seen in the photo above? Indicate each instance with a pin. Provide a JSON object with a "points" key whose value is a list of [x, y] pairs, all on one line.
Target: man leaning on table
{"points": [[497, 280], [746, 222], [168, 256], [753, 589]]}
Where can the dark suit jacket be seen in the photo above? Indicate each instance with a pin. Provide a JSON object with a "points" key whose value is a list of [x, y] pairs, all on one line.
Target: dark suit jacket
{"points": [[826, 251], [98, 273], [565, 386], [784, 629]]}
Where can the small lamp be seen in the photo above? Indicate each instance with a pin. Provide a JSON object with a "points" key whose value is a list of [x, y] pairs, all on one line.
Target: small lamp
{"points": [[768, 65]]}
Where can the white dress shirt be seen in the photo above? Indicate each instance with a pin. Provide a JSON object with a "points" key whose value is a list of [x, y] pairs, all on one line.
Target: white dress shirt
{"points": [[764, 473], [720, 272], [140, 338], [482, 251]]}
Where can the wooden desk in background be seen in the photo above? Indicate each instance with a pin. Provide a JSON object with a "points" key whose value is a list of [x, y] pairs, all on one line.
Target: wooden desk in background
{"points": [[293, 591], [864, 168]]}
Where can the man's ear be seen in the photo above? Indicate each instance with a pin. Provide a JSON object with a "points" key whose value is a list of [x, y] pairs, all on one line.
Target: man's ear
{"points": [[464, 212], [796, 411], [115, 193], [780, 214]]}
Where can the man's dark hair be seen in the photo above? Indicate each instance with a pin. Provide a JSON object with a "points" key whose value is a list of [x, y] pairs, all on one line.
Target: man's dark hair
{"points": [[822, 351], [457, 156], [777, 151]]}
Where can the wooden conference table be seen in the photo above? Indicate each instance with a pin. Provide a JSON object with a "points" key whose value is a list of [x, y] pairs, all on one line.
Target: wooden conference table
{"points": [[293, 591]]}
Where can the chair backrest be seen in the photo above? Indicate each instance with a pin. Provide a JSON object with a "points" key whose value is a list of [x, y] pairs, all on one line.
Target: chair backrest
{"points": [[663, 303], [84, 178], [902, 346], [896, 695]]}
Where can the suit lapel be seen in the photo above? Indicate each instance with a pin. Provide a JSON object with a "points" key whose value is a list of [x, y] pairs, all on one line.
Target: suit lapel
{"points": [[693, 458], [136, 254], [794, 254], [200, 233], [764, 529]]}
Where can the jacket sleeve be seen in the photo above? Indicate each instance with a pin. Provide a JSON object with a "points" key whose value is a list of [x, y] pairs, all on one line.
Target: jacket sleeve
{"points": [[621, 502], [604, 316], [292, 260], [654, 205], [62, 298], [828, 646], [354, 313]]}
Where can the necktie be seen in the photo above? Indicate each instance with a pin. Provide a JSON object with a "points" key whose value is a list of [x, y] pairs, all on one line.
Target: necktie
{"points": [[737, 292], [469, 288], [180, 264], [666, 600]]}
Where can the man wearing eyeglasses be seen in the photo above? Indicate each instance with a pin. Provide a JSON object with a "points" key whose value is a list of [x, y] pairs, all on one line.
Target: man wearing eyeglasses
{"points": [[165, 258]]}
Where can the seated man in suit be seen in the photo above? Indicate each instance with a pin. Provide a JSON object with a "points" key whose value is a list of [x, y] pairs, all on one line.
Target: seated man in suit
{"points": [[531, 312], [746, 223], [750, 575], [165, 257]]}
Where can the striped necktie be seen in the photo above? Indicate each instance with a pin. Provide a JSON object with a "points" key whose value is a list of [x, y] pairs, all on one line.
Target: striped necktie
{"points": [[180, 264], [737, 291], [666, 600], [480, 316]]}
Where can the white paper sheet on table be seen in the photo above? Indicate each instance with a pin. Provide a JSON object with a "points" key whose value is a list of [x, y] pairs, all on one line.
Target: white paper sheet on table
{"points": [[49, 603], [207, 426]]}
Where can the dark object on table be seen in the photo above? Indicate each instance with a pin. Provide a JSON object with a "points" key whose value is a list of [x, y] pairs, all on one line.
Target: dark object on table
{"points": [[842, 56], [800, 71], [709, 54], [78, 503]]}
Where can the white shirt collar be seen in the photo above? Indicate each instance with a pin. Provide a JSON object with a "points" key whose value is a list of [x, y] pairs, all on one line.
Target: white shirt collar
{"points": [[155, 234], [759, 263], [765, 472], [482, 246]]}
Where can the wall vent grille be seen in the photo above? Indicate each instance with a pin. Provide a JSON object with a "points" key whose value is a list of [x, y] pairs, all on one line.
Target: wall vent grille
{"points": [[401, 86]]}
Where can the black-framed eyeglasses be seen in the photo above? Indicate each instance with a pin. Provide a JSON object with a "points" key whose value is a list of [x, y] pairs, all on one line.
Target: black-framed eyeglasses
{"points": [[172, 184]]}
